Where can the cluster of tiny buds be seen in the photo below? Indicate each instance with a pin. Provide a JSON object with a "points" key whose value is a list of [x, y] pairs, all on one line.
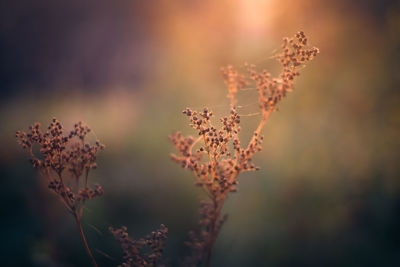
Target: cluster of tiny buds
{"points": [[58, 150], [61, 152], [133, 249], [272, 90], [184, 145], [89, 193], [245, 154], [80, 130], [198, 119], [64, 191], [295, 52], [217, 176], [230, 123]]}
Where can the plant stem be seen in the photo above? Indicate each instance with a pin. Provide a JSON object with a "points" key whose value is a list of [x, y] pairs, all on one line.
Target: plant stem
{"points": [[213, 233], [78, 222]]}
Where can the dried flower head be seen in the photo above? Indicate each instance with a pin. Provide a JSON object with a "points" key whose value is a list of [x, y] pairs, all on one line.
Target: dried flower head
{"points": [[221, 156], [65, 160], [135, 254]]}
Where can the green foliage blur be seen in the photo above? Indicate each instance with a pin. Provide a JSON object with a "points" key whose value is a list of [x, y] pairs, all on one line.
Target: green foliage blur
{"points": [[328, 191]]}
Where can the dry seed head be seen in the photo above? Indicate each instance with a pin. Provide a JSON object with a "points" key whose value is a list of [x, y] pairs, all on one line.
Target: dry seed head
{"points": [[64, 158], [135, 250], [214, 166]]}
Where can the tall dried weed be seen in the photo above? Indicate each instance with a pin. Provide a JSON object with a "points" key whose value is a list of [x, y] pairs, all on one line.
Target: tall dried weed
{"points": [[220, 158], [65, 161]]}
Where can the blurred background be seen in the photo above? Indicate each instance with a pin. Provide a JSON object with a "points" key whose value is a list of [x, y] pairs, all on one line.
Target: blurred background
{"points": [[328, 192]]}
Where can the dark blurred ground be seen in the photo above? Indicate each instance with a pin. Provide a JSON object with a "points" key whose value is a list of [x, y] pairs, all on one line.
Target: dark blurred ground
{"points": [[328, 192]]}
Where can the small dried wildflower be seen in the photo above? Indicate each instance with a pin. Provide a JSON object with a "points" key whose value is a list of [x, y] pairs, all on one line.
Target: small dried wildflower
{"points": [[65, 160], [221, 157], [134, 250]]}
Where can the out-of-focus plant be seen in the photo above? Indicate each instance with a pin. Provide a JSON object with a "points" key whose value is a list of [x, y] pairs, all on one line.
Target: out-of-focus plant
{"points": [[65, 161], [134, 250], [220, 158]]}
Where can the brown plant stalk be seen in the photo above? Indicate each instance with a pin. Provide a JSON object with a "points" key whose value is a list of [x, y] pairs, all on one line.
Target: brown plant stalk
{"points": [[220, 159], [65, 161]]}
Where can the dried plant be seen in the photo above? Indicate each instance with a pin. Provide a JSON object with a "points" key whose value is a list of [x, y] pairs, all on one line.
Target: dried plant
{"points": [[221, 158], [135, 254], [65, 160]]}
